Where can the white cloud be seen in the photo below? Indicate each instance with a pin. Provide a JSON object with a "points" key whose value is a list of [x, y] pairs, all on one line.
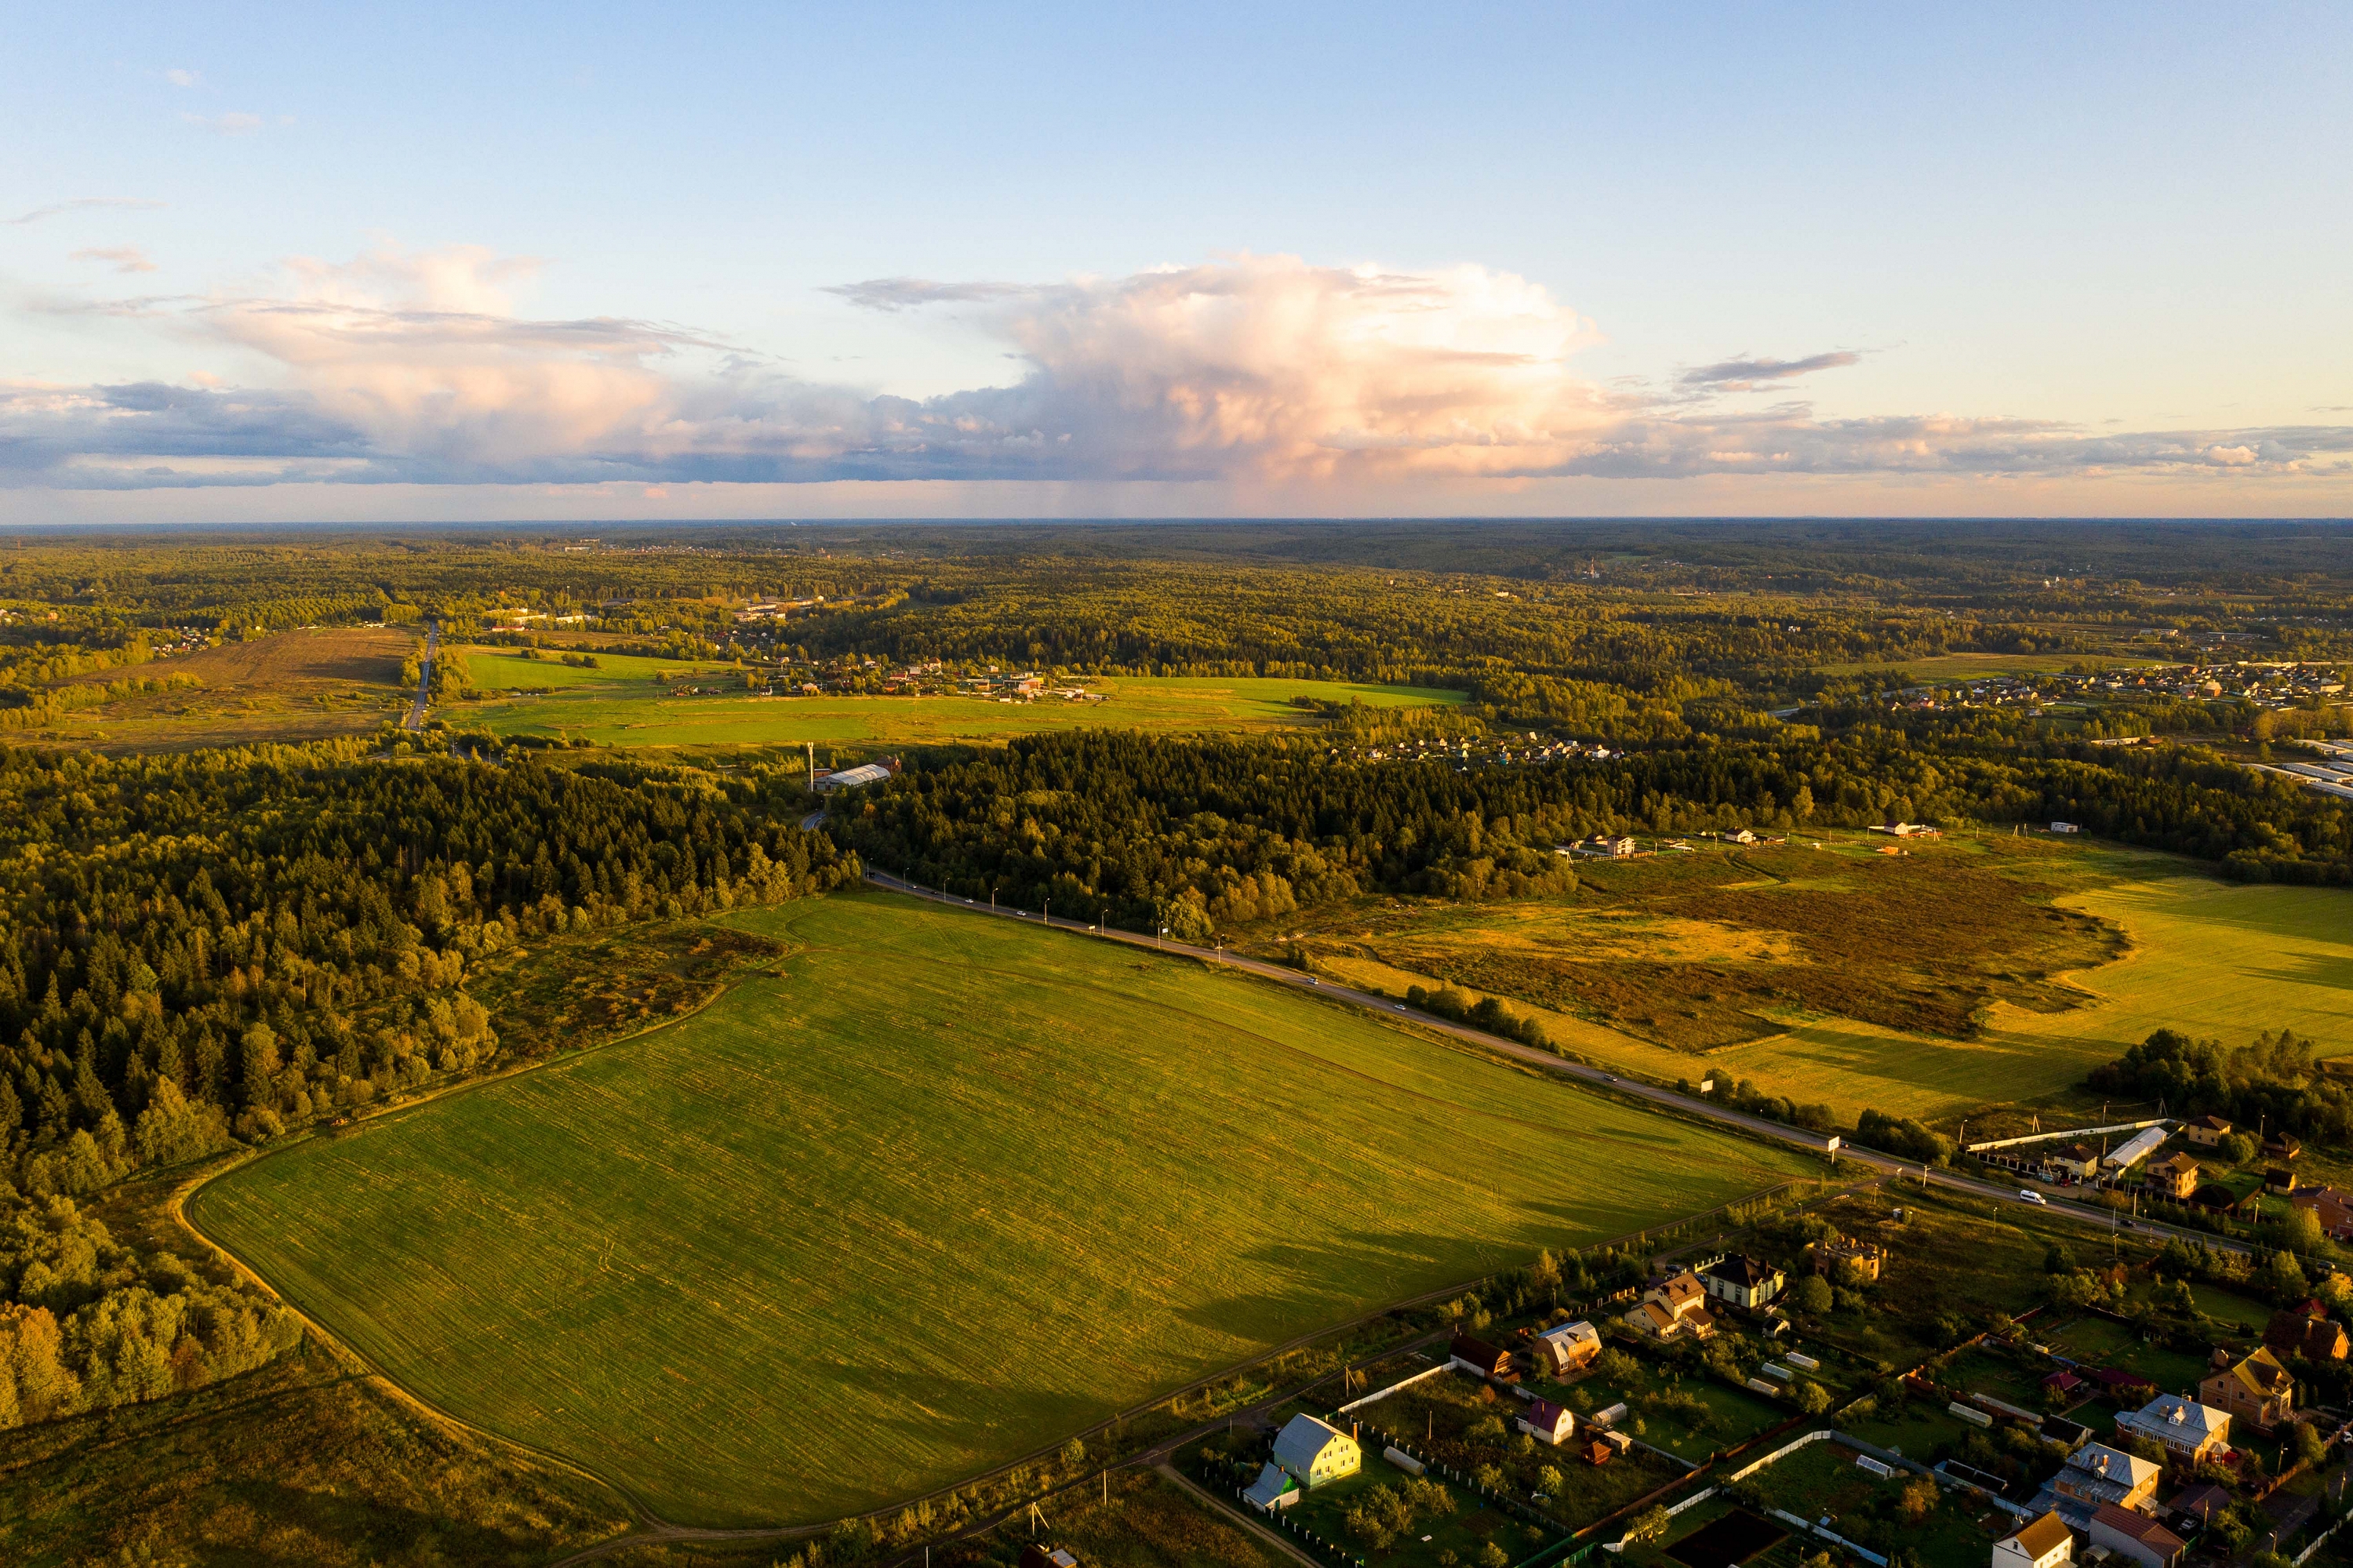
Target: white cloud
{"points": [[1265, 376], [76, 204], [180, 78], [124, 257]]}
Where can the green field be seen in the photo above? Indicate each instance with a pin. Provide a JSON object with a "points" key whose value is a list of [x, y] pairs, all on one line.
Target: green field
{"points": [[620, 703], [940, 1191]]}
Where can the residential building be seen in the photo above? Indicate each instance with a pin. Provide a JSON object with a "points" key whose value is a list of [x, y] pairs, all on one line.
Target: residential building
{"points": [[1274, 1489], [1863, 1256], [1672, 1309], [2045, 1543], [2282, 1147], [1742, 1281], [1313, 1452], [2176, 1177], [1546, 1422], [2096, 1475], [2080, 1160], [2257, 1391], [2206, 1131], [2279, 1178], [2306, 1331], [2203, 1502], [2187, 1429], [1481, 1358], [2332, 1208], [2136, 1537], [1567, 1348]]}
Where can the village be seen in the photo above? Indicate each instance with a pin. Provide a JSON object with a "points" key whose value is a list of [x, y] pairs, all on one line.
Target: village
{"points": [[1836, 1382]]}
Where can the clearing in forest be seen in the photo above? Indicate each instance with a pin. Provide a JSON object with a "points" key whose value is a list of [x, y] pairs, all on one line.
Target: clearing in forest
{"points": [[939, 1192], [1980, 972], [305, 684]]}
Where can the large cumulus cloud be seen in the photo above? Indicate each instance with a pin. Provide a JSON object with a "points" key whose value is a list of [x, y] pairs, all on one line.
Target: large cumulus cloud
{"points": [[417, 367]]}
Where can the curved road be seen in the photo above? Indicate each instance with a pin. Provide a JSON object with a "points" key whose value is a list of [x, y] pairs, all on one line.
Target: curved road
{"points": [[1689, 1105]]}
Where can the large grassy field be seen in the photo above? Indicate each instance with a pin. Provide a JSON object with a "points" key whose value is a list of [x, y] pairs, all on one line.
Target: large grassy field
{"points": [[940, 1191], [620, 702], [297, 686], [1961, 976]]}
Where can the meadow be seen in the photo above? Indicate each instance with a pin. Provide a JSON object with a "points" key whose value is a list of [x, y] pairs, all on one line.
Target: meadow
{"points": [[1981, 971], [623, 702], [307, 684], [938, 1191]]}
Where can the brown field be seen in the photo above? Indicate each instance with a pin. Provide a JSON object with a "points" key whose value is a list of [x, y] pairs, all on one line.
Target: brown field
{"points": [[1697, 952], [291, 686]]}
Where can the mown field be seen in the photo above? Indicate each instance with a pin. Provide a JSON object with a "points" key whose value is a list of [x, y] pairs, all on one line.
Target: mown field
{"points": [[290, 686], [622, 703], [940, 1191], [1977, 972]]}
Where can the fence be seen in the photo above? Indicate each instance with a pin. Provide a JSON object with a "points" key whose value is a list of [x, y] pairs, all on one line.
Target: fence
{"points": [[1403, 1382], [1282, 1522], [1835, 1539]]}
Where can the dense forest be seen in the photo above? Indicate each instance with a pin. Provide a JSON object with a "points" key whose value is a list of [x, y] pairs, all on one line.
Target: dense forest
{"points": [[220, 943]]}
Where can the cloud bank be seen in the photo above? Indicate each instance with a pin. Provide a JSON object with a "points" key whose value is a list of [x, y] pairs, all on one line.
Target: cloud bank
{"points": [[1267, 372]]}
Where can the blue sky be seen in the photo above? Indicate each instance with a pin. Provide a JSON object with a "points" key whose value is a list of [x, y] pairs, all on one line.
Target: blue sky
{"points": [[592, 260]]}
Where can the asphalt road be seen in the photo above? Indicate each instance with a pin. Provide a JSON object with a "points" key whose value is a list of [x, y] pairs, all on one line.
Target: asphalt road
{"points": [[416, 719], [1691, 1104]]}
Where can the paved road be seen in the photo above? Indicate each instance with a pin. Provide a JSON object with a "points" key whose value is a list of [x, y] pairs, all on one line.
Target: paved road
{"points": [[416, 719], [1691, 1104]]}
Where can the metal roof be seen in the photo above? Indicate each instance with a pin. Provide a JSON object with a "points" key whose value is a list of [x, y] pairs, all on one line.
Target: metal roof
{"points": [[1302, 1440]]}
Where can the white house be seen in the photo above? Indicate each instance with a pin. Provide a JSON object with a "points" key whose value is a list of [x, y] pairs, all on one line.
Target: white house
{"points": [[1315, 1452], [1546, 1422], [2044, 1543]]}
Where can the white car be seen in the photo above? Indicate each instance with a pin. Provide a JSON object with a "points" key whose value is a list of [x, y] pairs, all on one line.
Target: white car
{"points": [[2029, 1195]]}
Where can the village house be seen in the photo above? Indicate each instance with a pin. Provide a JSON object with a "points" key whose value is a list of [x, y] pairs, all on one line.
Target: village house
{"points": [[2096, 1475], [2135, 1537], [2045, 1543], [1546, 1422], [2282, 1147], [1481, 1358], [1672, 1309], [2206, 1131], [2279, 1178], [2176, 1177], [2080, 1161], [1567, 1348], [2305, 1330], [2332, 1208], [2258, 1391], [1742, 1281], [2186, 1429], [1033, 1555], [1314, 1452], [1863, 1256]]}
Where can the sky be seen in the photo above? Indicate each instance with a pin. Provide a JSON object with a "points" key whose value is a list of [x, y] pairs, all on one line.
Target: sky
{"points": [[589, 261]]}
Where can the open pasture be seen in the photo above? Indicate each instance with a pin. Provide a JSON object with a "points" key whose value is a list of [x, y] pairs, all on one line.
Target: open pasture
{"points": [[941, 1190], [622, 703]]}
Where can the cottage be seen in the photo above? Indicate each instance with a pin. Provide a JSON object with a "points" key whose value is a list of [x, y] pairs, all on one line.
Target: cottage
{"points": [[2080, 1161], [2174, 1178], [2306, 1331], [1617, 847], [1672, 1309], [2258, 1391], [1568, 1348], [1742, 1281], [1481, 1358], [2279, 1178], [1036, 1556], [1313, 1452], [2331, 1207], [2206, 1131], [2188, 1428], [2282, 1147], [2045, 1543], [2063, 1383], [1863, 1256], [2136, 1537], [2097, 1474], [1546, 1422]]}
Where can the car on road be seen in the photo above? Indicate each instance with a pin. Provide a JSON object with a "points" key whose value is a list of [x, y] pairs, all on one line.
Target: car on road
{"points": [[2029, 1195]]}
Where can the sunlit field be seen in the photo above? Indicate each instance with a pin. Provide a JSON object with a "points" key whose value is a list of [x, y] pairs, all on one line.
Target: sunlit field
{"points": [[940, 1191]]}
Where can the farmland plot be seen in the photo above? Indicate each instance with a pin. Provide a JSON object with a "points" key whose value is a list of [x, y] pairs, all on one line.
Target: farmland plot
{"points": [[939, 1192]]}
